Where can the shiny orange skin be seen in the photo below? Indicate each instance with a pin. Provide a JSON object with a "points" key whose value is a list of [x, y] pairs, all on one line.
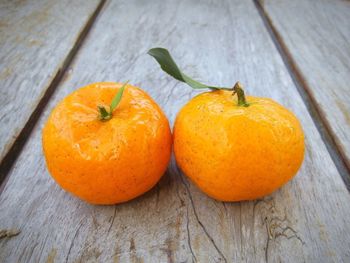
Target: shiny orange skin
{"points": [[235, 153], [112, 161]]}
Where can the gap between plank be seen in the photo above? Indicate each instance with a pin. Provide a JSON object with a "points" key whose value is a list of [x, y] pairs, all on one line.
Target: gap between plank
{"points": [[322, 125], [16, 148]]}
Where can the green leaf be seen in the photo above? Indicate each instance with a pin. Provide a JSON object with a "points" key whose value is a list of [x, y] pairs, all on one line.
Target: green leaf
{"points": [[118, 97], [168, 65]]}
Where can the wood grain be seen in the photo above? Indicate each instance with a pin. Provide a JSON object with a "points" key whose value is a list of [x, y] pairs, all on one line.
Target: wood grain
{"points": [[217, 42], [317, 36], [35, 38]]}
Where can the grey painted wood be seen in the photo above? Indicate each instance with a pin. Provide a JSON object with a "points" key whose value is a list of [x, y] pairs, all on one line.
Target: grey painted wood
{"points": [[217, 42], [35, 38], [317, 34]]}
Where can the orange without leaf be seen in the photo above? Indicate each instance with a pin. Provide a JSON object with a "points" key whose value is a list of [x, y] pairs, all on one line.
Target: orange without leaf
{"points": [[237, 152], [111, 159]]}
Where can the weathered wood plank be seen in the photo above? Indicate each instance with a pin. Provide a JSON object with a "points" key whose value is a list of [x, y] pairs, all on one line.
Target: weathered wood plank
{"points": [[35, 38], [306, 221], [317, 35]]}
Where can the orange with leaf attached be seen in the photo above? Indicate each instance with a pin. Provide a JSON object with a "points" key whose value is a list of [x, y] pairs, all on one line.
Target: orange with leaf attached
{"points": [[234, 147], [235, 152], [112, 154]]}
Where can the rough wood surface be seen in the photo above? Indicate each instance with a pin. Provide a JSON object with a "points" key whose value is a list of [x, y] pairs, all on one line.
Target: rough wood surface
{"points": [[317, 35], [217, 42], [35, 38]]}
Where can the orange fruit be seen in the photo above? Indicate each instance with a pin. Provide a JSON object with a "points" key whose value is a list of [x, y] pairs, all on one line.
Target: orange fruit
{"points": [[232, 147], [233, 152], [107, 161]]}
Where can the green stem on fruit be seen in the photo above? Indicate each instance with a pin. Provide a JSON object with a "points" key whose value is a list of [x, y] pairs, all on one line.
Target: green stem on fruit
{"points": [[105, 114], [238, 89]]}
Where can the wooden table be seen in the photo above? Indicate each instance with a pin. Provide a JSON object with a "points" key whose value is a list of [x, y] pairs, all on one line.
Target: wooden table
{"points": [[296, 52]]}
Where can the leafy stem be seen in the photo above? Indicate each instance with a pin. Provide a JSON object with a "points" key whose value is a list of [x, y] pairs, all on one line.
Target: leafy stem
{"points": [[168, 65], [106, 114]]}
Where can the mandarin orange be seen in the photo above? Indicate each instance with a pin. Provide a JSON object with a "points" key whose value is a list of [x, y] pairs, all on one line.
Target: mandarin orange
{"points": [[112, 160], [232, 147], [237, 150]]}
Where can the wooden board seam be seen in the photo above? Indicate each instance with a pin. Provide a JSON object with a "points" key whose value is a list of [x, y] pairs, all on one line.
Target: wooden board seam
{"points": [[323, 126], [17, 146]]}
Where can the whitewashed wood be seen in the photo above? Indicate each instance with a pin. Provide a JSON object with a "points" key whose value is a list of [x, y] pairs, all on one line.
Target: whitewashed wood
{"points": [[218, 42], [317, 34], [35, 38]]}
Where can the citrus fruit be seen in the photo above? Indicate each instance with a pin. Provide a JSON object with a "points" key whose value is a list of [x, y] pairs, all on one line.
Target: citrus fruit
{"points": [[233, 147], [107, 154], [234, 152]]}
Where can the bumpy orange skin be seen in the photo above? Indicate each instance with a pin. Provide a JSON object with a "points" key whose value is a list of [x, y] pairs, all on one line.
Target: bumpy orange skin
{"points": [[235, 153], [107, 162]]}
